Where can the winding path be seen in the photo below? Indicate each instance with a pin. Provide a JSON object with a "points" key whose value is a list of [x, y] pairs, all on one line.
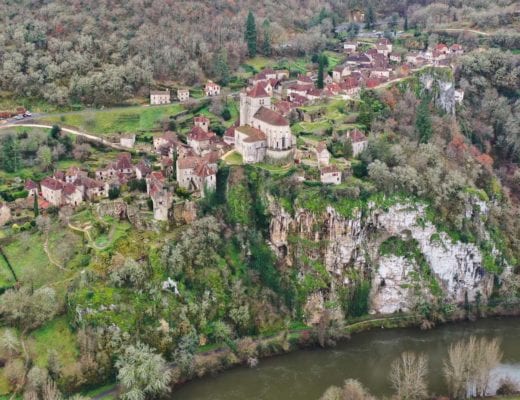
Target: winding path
{"points": [[476, 32], [74, 132]]}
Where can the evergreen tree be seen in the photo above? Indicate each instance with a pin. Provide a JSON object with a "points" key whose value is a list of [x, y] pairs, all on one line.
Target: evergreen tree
{"points": [[321, 72], [221, 67], [423, 122], [250, 35], [405, 25], [10, 154], [55, 132], [266, 44], [392, 25], [35, 206], [370, 18]]}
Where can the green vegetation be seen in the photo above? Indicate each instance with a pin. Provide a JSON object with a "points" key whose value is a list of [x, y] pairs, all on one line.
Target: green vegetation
{"points": [[129, 119]]}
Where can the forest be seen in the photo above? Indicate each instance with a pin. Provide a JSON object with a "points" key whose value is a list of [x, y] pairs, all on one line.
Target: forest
{"points": [[103, 52]]}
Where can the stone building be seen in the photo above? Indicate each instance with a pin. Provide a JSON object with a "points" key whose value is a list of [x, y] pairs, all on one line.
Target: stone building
{"points": [[183, 95], [211, 89], [160, 97], [271, 137], [330, 175]]}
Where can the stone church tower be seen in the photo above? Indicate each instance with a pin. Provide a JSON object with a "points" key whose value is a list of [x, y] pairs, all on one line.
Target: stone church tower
{"points": [[250, 103]]}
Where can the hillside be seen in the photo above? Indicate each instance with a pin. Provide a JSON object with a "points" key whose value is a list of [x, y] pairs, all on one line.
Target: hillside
{"points": [[145, 245], [80, 52]]}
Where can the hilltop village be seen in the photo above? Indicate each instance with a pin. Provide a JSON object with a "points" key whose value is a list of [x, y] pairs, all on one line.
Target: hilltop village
{"points": [[261, 134], [188, 187]]}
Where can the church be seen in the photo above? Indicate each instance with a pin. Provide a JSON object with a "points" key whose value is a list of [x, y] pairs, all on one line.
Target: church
{"points": [[263, 134]]}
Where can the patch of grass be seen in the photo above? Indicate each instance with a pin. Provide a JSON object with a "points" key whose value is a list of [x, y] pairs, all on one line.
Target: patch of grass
{"points": [[6, 277], [29, 261], [234, 158], [129, 119], [56, 335], [259, 63]]}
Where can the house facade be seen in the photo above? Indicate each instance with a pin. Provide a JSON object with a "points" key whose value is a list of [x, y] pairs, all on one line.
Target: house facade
{"points": [[212, 89], [330, 175], [183, 95], [160, 97]]}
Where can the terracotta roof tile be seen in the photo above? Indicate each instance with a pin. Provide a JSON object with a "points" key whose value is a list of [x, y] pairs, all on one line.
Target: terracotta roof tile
{"points": [[271, 117]]}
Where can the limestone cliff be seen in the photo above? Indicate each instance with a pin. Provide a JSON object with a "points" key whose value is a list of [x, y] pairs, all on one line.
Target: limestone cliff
{"points": [[351, 247]]}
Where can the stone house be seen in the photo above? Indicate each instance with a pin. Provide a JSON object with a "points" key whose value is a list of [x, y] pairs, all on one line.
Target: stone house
{"points": [[162, 199], [330, 175], [94, 189], [31, 187], [196, 174], [212, 89], [395, 57], [359, 141], [322, 154], [72, 174], [300, 90], [441, 48], [200, 140], [251, 143], [164, 142], [142, 169], [72, 194], [385, 42], [383, 49], [52, 190], [229, 135], [456, 49], [167, 166], [107, 173], [304, 80], [350, 47], [160, 97], [339, 72], [183, 95], [127, 140]]}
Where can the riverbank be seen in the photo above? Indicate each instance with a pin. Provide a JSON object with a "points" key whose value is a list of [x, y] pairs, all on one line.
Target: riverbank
{"points": [[249, 351]]}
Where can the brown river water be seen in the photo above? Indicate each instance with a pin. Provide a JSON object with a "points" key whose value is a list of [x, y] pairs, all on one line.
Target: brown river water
{"points": [[306, 374]]}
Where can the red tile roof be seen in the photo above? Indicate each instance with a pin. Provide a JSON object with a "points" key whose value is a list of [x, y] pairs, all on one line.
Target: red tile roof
{"points": [[271, 117], [253, 134], [257, 91], [52, 184], [201, 119], [203, 170], [356, 136], [29, 185], [199, 134], [69, 189], [329, 169]]}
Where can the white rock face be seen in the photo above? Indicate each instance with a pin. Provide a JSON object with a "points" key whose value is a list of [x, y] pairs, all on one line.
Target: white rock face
{"points": [[350, 246], [391, 285]]}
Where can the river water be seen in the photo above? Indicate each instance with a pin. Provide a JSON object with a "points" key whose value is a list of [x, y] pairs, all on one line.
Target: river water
{"points": [[306, 374]]}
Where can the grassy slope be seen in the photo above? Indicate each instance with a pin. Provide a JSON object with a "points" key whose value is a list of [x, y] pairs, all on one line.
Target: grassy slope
{"points": [[116, 120]]}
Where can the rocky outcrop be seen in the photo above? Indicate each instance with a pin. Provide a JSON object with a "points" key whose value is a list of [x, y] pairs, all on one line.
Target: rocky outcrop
{"points": [[350, 248]]}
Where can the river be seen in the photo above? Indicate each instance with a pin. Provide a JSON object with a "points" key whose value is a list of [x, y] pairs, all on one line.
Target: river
{"points": [[306, 374]]}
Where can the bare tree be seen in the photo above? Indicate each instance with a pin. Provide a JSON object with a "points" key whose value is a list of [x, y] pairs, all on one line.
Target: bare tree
{"points": [[408, 376], [467, 369]]}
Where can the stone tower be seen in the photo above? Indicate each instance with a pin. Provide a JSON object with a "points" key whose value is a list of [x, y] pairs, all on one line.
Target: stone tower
{"points": [[251, 101]]}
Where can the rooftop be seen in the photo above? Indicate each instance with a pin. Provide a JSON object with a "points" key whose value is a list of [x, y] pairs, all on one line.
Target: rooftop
{"points": [[254, 135], [271, 117]]}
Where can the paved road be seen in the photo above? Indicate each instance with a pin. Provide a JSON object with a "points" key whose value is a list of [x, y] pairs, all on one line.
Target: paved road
{"points": [[72, 132]]}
